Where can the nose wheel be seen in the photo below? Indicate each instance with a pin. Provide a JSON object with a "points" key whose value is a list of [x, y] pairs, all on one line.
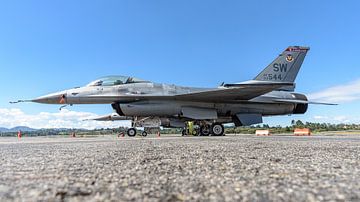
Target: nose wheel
{"points": [[131, 132]]}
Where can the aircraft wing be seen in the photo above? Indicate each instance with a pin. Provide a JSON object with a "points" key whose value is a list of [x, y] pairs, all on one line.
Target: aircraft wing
{"points": [[236, 92], [233, 93]]}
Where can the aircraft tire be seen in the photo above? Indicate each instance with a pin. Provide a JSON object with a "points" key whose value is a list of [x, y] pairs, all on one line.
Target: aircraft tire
{"points": [[217, 129], [205, 130], [144, 133], [131, 132]]}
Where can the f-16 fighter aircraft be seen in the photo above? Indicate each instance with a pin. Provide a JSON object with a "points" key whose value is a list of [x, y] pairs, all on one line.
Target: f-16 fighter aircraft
{"points": [[143, 102]]}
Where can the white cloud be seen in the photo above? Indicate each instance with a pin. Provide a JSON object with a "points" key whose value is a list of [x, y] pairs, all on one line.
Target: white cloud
{"points": [[63, 119], [343, 119], [338, 94], [318, 117], [336, 119]]}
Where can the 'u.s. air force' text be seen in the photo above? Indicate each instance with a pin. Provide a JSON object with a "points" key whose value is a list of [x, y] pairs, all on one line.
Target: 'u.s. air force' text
{"points": [[279, 70]]}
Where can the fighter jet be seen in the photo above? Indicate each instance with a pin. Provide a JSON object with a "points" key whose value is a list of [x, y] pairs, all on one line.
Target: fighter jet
{"points": [[144, 102]]}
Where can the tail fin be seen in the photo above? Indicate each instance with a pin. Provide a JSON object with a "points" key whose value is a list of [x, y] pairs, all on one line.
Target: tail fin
{"points": [[285, 67]]}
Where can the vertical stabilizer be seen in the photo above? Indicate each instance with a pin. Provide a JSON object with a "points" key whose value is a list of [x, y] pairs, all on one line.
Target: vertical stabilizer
{"points": [[285, 67]]}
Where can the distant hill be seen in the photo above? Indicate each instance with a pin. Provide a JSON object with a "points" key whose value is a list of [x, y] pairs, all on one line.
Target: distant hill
{"points": [[28, 129], [17, 128], [4, 130]]}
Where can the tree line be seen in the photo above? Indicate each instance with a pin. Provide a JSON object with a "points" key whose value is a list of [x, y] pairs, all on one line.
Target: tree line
{"points": [[314, 127]]}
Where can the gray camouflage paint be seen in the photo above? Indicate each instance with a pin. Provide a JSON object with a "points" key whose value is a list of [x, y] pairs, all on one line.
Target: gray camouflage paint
{"points": [[269, 94]]}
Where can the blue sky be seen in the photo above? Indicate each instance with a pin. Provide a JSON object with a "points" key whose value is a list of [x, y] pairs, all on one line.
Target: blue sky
{"points": [[46, 46]]}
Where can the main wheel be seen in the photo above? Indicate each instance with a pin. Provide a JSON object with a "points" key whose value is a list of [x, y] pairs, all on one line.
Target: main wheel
{"points": [[131, 132], [144, 133], [217, 129], [195, 133], [205, 130]]}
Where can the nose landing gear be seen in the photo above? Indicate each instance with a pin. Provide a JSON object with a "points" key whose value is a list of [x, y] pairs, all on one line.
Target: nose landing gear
{"points": [[131, 132], [149, 125]]}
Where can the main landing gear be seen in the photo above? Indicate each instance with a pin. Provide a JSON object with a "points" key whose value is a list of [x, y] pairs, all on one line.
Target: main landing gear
{"points": [[215, 129]]}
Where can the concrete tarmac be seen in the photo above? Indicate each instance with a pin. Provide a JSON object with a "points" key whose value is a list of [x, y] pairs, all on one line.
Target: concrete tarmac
{"points": [[230, 168]]}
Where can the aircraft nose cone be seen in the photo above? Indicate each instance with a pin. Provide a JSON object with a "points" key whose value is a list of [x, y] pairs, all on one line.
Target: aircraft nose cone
{"points": [[54, 98]]}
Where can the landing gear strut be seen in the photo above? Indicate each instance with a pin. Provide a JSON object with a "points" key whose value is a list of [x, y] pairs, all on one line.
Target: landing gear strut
{"points": [[190, 129], [183, 132]]}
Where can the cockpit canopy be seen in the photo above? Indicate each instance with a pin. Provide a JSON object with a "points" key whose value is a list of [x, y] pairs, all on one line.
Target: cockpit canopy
{"points": [[115, 80]]}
